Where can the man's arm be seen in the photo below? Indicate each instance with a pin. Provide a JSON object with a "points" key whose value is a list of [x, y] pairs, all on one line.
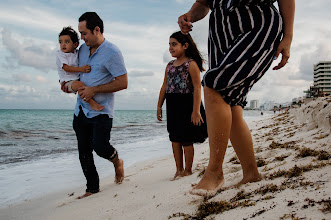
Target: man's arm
{"points": [[120, 83]]}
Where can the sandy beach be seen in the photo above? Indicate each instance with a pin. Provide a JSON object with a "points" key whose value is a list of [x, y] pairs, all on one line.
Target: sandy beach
{"points": [[293, 154]]}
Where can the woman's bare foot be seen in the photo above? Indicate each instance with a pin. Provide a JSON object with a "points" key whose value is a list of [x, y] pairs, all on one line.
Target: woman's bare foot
{"points": [[119, 171], [96, 106], [177, 175], [85, 195], [209, 184], [250, 179]]}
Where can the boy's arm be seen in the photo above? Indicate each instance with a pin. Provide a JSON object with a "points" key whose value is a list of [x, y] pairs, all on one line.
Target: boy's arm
{"points": [[120, 83], [73, 69]]}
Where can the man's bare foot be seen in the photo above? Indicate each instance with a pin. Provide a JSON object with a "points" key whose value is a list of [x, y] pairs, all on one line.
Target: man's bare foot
{"points": [[209, 184], [177, 175], [96, 106], [85, 195], [119, 171]]}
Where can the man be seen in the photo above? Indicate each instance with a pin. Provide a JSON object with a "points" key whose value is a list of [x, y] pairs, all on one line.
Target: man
{"points": [[108, 75]]}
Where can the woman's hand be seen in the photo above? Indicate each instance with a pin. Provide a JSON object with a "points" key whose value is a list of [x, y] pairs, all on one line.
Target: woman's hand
{"points": [[184, 22], [196, 118], [284, 49]]}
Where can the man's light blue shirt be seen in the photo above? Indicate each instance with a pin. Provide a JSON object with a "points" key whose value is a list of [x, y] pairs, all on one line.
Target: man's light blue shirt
{"points": [[106, 63]]}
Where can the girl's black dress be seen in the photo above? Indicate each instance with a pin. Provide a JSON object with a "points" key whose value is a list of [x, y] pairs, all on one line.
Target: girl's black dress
{"points": [[179, 102]]}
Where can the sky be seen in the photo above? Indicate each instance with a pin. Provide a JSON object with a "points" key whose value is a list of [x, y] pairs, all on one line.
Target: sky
{"points": [[141, 29]]}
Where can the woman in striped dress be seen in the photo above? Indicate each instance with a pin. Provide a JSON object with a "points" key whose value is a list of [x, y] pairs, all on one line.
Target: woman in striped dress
{"points": [[244, 38]]}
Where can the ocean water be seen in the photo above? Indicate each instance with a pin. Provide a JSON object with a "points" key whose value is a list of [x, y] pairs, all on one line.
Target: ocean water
{"points": [[38, 149]]}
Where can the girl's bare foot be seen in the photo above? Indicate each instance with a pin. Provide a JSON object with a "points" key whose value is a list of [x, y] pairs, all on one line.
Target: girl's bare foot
{"points": [[187, 173], [177, 175], [119, 171]]}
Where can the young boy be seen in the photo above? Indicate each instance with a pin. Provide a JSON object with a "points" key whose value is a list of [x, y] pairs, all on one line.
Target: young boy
{"points": [[67, 64]]}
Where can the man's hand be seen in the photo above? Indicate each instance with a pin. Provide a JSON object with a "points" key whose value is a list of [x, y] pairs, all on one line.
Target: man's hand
{"points": [[86, 93]]}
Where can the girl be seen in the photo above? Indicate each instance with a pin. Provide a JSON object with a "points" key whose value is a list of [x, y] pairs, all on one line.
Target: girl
{"points": [[182, 90]]}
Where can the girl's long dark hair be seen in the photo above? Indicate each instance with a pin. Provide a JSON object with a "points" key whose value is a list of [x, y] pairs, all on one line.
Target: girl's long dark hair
{"points": [[192, 50]]}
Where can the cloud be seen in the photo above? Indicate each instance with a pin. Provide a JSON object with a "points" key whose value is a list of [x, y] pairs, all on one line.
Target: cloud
{"points": [[22, 77], [139, 73], [322, 52], [28, 53], [41, 79], [33, 18]]}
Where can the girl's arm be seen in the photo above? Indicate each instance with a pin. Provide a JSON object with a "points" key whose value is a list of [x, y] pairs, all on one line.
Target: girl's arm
{"points": [[73, 69], [161, 98], [198, 11], [195, 75], [286, 8]]}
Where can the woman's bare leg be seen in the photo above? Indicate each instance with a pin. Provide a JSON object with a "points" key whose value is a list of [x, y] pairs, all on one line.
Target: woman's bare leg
{"points": [[189, 155], [241, 140], [218, 114], [178, 155]]}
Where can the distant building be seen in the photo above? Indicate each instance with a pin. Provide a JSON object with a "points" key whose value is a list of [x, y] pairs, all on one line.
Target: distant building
{"points": [[322, 77], [254, 104], [269, 106]]}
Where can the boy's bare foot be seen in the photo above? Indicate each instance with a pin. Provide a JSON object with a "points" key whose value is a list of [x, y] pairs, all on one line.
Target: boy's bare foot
{"points": [[85, 195], [177, 175], [96, 106], [119, 171]]}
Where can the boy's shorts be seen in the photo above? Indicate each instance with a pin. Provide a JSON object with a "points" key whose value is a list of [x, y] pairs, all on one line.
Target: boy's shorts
{"points": [[68, 84]]}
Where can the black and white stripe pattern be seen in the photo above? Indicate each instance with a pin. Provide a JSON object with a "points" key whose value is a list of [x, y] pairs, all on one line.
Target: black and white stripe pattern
{"points": [[241, 45]]}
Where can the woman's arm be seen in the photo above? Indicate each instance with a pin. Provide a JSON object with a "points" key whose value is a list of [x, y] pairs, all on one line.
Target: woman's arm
{"points": [[287, 9], [161, 98], [195, 76], [198, 11]]}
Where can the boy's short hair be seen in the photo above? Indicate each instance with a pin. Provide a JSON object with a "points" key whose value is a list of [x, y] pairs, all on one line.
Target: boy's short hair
{"points": [[71, 32], [92, 20]]}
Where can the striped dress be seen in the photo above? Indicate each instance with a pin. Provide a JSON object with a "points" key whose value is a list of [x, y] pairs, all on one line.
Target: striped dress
{"points": [[243, 38]]}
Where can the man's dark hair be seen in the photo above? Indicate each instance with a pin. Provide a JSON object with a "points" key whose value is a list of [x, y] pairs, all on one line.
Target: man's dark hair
{"points": [[92, 20], [71, 32]]}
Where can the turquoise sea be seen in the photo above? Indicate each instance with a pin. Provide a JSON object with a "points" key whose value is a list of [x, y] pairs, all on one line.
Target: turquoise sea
{"points": [[38, 152]]}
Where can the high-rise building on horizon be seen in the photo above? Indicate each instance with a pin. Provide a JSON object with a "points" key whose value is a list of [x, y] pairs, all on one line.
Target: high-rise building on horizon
{"points": [[254, 104], [322, 77]]}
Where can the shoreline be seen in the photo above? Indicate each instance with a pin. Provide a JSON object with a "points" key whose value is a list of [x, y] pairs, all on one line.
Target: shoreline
{"points": [[293, 154]]}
